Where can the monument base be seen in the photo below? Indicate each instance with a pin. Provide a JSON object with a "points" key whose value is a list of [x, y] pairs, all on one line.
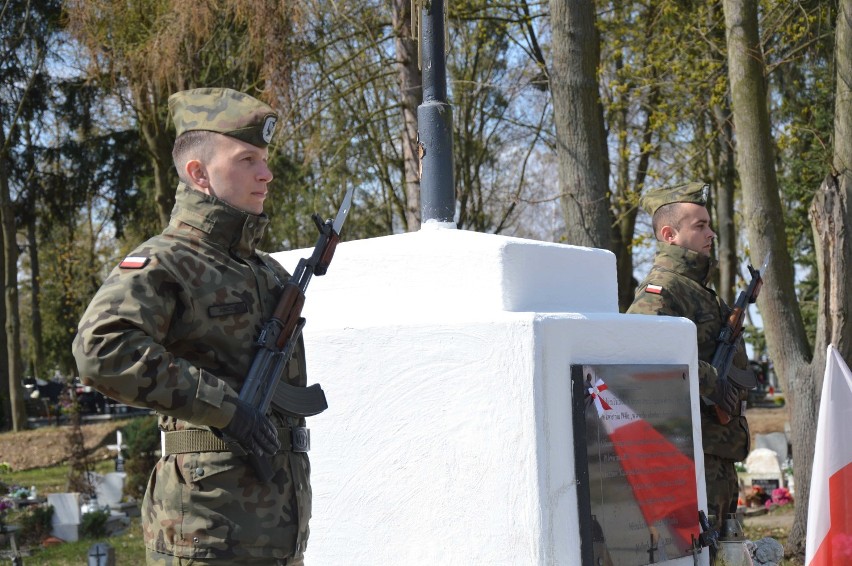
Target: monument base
{"points": [[446, 359]]}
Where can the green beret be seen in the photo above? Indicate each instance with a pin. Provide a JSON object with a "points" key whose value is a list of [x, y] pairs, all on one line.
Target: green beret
{"points": [[224, 111], [695, 193]]}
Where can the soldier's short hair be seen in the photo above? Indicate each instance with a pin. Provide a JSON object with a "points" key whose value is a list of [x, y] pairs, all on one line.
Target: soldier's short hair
{"points": [[194, 144], [667, 215], [663, 204]]}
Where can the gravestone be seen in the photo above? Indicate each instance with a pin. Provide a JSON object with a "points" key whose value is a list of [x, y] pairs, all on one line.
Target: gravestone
{"points": [[101, 554], [65, 523], [775, 441], [110, 489], [763, 469]]}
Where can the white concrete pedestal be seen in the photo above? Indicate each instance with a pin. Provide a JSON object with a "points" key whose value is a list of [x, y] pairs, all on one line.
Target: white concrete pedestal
{"points": [[445, 356]]}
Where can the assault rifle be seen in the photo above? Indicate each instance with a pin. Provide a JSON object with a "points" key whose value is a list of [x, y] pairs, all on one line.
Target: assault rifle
{"points": [[278, 338], [730, 333]]}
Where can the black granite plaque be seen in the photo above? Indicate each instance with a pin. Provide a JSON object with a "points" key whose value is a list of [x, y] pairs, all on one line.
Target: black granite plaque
{"points": [[635, 463], [767, 485]]}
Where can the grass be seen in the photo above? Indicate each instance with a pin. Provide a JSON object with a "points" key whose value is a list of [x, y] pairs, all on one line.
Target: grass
{"points": [[49, 480], [128, 545]]}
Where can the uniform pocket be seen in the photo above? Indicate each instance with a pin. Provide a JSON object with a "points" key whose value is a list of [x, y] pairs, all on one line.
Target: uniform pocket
{"points": [[212, 504]]}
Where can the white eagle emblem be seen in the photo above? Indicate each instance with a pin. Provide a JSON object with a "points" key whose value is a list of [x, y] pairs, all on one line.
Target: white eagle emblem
{"points": [[268, 128]]}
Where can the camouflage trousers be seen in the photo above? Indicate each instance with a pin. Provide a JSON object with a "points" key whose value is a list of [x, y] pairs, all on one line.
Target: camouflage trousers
{"points": [[723, 488], [154, 558]]}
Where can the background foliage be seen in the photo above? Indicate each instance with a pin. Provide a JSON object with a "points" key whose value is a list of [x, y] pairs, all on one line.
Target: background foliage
{"points": [[85, 138], [87, 146]]}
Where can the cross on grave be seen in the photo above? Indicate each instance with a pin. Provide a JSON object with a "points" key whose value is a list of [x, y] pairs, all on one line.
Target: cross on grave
{"points": [[117, 448], [101, 554]]}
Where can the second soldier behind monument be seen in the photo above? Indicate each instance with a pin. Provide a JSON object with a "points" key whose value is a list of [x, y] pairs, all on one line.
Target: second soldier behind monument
{"points": [[678, 285]]}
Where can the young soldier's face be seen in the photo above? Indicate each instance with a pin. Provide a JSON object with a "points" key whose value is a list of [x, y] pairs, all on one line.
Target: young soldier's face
{"points": [[693, 231], [237, 173]]}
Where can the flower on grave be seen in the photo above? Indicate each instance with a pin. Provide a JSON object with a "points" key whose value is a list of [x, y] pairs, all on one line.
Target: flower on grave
{"points": [[780, 496], [18, 492], [756, 496]]}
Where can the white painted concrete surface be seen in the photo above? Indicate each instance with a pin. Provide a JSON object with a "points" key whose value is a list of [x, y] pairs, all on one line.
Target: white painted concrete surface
{"points": [[445, 357]]}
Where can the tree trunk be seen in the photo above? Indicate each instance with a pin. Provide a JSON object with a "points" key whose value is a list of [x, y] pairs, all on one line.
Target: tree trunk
{"points": [[149, 101], [13, 319], [782, 318], [5, 382], [10, 297], [725, 174], [833, 200], [843, 134], [411, 95], [37, 345], [578, 115], [831, 219]]}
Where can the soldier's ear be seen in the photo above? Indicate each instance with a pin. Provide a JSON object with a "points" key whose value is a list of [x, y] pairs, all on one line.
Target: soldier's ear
{"points": [[196, 172], [667, 234]]}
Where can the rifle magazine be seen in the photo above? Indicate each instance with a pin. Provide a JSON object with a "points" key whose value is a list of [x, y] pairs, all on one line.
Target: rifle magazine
{"points": [[299, 401]]}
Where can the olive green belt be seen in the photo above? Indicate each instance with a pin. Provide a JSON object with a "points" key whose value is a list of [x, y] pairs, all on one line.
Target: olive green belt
{"points": [[200, 440]]}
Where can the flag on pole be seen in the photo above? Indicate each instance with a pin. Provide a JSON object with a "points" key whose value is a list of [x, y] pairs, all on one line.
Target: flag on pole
{"points": [[829, 533]]}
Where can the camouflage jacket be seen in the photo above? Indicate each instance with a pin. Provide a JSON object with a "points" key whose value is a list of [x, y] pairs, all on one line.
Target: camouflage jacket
{"points": [[172, 328], [679, 288]]}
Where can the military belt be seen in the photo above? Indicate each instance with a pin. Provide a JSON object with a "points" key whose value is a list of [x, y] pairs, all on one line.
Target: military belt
{"points": [[292, 439]]}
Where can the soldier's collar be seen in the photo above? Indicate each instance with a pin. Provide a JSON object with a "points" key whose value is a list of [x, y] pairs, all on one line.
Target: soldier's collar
{"points": [[236, 229], [694, 265]]}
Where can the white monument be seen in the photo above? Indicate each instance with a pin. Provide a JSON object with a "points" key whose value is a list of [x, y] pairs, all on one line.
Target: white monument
{"points": [[446, 359]]}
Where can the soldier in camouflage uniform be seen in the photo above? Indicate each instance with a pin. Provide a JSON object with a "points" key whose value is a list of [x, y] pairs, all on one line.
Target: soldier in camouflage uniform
{"points": [[677, 286], [173, 329]]}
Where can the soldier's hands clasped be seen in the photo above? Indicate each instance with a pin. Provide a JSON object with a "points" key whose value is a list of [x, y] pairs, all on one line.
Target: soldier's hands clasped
{"points": [[253, 430]]}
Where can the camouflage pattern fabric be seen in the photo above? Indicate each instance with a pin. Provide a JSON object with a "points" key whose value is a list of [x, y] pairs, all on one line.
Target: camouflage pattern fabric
{"points": [[676, 286], [173, 329], [722, 488], [224, 111], [154, 558], [695, 193]]}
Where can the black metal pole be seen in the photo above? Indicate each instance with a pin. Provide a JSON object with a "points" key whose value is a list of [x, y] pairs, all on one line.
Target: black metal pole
{"points": [[435, 121]]}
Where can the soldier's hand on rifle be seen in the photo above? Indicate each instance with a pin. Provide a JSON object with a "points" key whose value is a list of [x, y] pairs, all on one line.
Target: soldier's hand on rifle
{"points": [[253, 430], [727, 395]]}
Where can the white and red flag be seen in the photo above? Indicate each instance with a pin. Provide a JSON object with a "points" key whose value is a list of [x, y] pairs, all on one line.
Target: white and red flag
{"points": [[829, 534], [661, 476]]}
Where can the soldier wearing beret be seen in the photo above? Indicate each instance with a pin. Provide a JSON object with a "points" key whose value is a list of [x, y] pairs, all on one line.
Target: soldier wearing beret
{"points": [[173, 329], [677, 285]]}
